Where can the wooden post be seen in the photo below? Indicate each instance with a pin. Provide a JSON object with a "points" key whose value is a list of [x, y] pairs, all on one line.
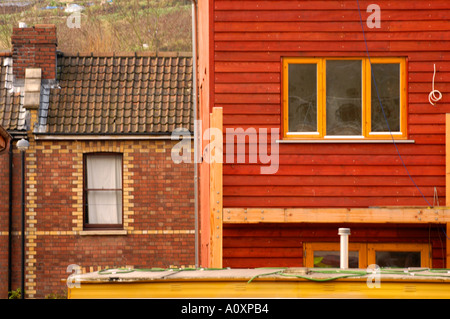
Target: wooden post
{"points": [[216, 204], [447, 182]]}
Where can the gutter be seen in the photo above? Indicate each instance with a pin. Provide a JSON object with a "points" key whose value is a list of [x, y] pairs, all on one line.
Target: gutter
{"points": [[104, 137]]}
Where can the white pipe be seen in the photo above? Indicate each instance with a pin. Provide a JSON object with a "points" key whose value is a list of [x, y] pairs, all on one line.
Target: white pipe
{"points": [[344, 233]]}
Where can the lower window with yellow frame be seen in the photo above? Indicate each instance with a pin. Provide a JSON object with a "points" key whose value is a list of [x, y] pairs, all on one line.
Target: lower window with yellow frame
{"points": [[361, 255], [401, 255]]}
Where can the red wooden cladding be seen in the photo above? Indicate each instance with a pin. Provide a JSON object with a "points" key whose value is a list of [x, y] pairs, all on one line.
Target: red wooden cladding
{"points": [[330, 36], [404, 5], [280, 14], [430, 56], [236, 109], [347, 160], [310, 191], [337, 171], [247, 78], [368, 181], [249, 41], [304, 46], [345, 149], [279, 245], [320, 202], [345, 26]]}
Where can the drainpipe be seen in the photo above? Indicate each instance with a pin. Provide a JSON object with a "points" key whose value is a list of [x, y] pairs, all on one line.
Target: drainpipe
{"points": [[22, 291], [23, 145], [344, 233], [10, 151], [195, 115]]}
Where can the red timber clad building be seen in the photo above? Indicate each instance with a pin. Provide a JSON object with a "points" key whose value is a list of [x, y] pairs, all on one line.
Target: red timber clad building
{"points": [[360, 145]]}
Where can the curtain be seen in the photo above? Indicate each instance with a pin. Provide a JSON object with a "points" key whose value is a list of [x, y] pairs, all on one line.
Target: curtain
{"points": [[104, 189]]}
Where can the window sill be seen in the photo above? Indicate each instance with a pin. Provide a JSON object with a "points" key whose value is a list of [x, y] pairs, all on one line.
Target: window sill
{"points": [[102, 232], [360, 141]]}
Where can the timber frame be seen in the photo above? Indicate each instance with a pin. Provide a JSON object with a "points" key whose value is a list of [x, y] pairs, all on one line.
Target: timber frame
{"points": [[371, 215]]}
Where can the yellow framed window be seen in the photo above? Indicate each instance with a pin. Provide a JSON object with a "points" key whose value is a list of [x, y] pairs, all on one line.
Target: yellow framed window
{"points": [[327, 255], [361, 255], [399, 255], [339, 98]]}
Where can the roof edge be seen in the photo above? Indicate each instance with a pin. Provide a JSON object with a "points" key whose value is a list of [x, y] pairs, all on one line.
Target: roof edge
{"points": [[183, 54], [117, 137]]}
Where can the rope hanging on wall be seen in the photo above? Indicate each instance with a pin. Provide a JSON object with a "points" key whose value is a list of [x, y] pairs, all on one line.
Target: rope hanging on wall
{"points": [[434, 95]]}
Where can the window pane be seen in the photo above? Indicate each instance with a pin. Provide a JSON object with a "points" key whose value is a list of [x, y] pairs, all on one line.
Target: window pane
{"points": [[104, 171], [344, 97], [104, 207], [397, 258], [387, 87], [331, 259], [302, 98]]}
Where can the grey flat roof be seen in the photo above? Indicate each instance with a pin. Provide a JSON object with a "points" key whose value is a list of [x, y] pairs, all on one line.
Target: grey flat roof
{"points": [[314, 274]]}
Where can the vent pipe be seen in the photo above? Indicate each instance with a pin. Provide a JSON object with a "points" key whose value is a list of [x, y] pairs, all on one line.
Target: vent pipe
{"points": [[344, 233]]}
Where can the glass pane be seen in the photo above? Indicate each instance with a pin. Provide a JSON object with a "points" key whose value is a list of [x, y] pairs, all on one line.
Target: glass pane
{"points": [[387, 89], [302, 98], [104, 207], [331, 259], [400, 259], [344, 97], [104, 171]]}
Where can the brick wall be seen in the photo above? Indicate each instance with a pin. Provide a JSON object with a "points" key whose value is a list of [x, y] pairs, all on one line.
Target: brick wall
{"points": [[158, 211], [34, 47]]}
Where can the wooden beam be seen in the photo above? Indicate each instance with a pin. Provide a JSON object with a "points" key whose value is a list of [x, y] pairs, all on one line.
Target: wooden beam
{"points": [[404, 215], [216, 204]]}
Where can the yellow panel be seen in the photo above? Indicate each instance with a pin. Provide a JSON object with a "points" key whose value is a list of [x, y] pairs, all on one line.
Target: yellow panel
{"points": [[264, 289]]}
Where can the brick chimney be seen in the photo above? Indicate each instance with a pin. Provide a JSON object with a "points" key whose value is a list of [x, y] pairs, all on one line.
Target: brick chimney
{"points": [[34, 47]]}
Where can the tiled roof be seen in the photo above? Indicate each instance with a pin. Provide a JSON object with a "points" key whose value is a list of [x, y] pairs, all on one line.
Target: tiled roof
{"points": [[127, 94], [12, 114], [114, 94]]}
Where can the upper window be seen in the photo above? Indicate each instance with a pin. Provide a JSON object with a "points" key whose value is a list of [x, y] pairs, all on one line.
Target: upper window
{"points": [[340, 98], [103, 191]]}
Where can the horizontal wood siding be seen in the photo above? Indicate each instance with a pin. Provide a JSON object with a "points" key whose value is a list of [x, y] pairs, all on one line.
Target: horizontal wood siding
{"points": [[250, 40], [281, 245]]}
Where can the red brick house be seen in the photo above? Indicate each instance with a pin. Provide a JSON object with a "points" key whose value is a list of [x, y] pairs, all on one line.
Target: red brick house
{"points": [[101, 189], [346, 84]]}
